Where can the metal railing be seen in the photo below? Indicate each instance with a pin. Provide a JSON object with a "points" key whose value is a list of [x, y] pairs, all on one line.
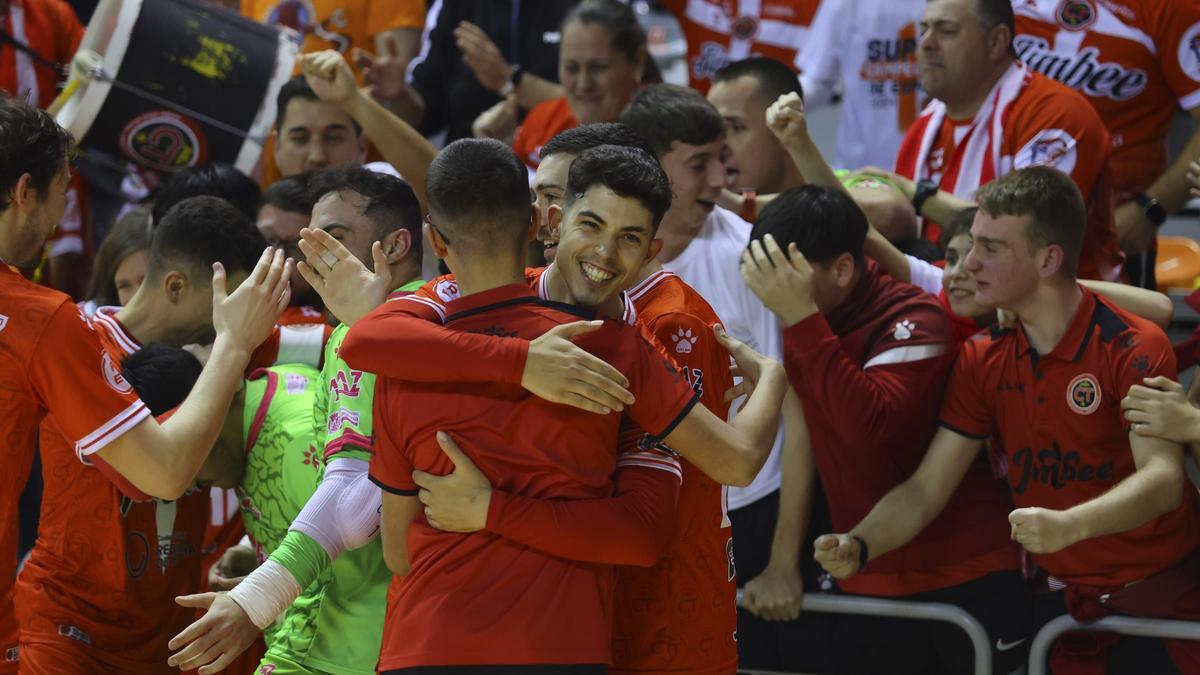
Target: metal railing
{"points": [[903, 609], [1124, 625]]}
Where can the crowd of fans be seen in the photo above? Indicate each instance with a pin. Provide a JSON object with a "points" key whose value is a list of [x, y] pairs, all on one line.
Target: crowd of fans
{"points": [[515, 355]]}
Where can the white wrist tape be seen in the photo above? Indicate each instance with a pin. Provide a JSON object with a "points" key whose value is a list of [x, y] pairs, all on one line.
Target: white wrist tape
{"points": [[266, 593]]}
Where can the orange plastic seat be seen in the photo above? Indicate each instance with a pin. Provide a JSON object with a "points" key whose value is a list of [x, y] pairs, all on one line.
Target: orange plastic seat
{"points": [[1178, 263]]}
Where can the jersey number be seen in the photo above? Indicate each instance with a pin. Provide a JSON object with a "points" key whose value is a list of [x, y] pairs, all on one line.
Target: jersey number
{"points": [[695, 377]]}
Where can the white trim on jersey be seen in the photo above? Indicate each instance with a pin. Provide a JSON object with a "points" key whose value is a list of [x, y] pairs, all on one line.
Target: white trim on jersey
{"points": [[301, 344], [431, 19], [651, 460], [907, 354], [124, 340], [26, 72], [769, 32], [1106, 22], [111, 430], [441, 311], [649, 283]]}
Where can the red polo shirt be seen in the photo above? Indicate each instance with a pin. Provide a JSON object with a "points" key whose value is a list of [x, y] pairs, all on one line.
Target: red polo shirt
{"points": [[473, 599], [1058, 417]]}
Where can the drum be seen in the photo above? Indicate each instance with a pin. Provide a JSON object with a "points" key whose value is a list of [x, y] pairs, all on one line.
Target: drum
{"points": [[180, 83]]}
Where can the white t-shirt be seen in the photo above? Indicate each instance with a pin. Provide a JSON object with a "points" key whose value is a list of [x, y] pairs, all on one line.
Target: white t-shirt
{"points": [[710, 265], [870, 47]]}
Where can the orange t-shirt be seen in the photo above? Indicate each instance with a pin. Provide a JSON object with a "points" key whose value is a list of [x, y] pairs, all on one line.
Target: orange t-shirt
{"points": [[719, 33], [1136, 61], [545, 121], [51, 361], [51, 28], [106, 568]]}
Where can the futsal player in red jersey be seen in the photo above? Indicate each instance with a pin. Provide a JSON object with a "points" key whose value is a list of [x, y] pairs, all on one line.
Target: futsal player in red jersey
{"points": [[51, 361], [1106, 512]]}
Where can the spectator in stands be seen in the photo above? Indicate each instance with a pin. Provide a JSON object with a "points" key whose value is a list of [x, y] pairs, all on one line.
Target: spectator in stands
{"points": [[213, 180], [1105, 510], [120, 263], [477, 52], [866, 353], [742, 93], [311, 134], [991, 115], [721, 32], [867, 50], [600, 64], [286, 209], [1136, 63]]}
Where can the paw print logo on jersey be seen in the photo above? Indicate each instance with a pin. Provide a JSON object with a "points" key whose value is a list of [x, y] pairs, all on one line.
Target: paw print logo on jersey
{"points": [[683, 341], [903, 330]]}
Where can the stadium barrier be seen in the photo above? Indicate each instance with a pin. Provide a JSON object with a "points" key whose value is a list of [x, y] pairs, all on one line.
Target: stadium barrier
{"points": [[1124, 625], [900, 609]]}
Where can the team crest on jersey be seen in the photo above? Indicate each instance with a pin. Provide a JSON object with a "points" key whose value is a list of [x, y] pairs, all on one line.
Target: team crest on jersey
{"points": [[1051, 147], [1083, 395], [1076, 14], [113, 376], [447, 290], [744, 27], [1189, 52]]}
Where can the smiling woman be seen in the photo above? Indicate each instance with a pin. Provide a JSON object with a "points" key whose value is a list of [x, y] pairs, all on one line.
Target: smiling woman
{"points": [[602, 62]]}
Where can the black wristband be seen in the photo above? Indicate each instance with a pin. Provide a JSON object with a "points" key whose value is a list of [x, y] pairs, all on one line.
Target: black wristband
{"points": [[863, 554], [1153, 211], [925, 189]]}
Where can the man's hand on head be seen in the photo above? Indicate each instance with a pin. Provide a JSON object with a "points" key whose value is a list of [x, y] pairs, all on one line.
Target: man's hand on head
{"points": [[784, 283], [247, 316], [348, 289]]}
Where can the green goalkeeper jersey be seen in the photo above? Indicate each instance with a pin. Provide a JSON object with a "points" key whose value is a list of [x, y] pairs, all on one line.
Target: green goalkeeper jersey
{"points": [[336, 625]]}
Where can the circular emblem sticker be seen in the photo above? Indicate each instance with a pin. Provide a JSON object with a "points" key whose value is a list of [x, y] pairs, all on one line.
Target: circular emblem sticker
{"points": [[1076, 14], [1189, 52], [164, 141], [744, 27], [113, 376], [1083, 395]]}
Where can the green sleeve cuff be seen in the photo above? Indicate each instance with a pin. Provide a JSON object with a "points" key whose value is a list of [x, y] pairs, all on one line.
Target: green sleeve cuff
{"points": [[302, 556]]}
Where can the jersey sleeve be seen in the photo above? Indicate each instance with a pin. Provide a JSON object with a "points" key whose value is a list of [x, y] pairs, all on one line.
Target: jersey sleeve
{"points": [[390, 469], [405, 339], [385, 15], [820, 61], [299, 343], [81, 385], [632, 527], [1177, 36], [967, 408], [1145, 353], [662, 395], [690, 343], [1060, 129], [348, 397]]}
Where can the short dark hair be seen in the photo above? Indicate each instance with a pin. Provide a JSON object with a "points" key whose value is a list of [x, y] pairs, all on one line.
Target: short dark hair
{"points": [[479, 186], [575, 140], [774, 77], [294, 194], [212, 180], [665, 113], [391, 203], [130, 234], [1057, 213], [297, 87], [822, 221], [629, 172], [959, 224], [162, 375], [199, 231], [994, 13], [31, 142]]}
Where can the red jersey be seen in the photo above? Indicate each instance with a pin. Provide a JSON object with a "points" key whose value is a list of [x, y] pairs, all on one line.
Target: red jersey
{"points": [[525, 607], [545, 121], [1136, 61], [51, 29], [680, 615], [1058, 417], [1027, 120], [105, 569], [720, 32], [51, 361], [856, 369]]}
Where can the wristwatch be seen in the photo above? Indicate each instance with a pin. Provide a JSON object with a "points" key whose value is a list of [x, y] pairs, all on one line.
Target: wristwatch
{"points": [[1154, 212], [925, 189], [863, 555], [514, 81]]}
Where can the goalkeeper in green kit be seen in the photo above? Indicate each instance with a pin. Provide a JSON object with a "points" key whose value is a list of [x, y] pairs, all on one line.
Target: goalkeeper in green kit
{"points": [[325, 564]]}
